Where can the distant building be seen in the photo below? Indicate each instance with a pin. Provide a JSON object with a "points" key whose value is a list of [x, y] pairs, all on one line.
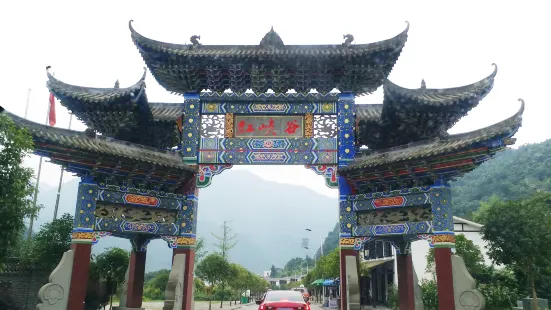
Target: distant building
{"points": [[382, 263], [267, 274]]}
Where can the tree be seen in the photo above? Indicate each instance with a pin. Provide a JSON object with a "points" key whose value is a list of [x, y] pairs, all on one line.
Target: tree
{"points": [[518, 233], [226, 242], [200, 251], [213, 269], [470, 252], [111, 265], [16, 186], [273, 272], [155, 286], [46, 248]]}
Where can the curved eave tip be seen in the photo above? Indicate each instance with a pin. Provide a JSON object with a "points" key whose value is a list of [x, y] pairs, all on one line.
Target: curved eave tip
{"points": [[495, 70], [130, 25], [144, 74], [50, 76], [522, 104], [407, 25]]}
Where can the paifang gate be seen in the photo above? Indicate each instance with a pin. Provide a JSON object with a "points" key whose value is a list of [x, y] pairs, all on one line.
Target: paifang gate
{"points": [[390, 162]]}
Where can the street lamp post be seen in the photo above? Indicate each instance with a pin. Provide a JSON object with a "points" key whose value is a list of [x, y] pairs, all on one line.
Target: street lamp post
{"points": [[321, 241]]}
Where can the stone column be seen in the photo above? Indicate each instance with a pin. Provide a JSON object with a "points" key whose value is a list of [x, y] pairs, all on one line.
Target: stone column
{"points": [[443, 239], [82, 238], [404, 263], [136, 272], [444, 278], [349, 280], [79, 275]]}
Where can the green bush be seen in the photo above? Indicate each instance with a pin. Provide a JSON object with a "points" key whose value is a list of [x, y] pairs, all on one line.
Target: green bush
{"points": [[392, 298], [429, 290], [498, 297]]}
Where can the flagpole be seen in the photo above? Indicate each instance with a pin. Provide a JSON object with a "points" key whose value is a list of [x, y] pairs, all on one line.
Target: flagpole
{"points": [[37, 181], [61, 178], [28, 100]]}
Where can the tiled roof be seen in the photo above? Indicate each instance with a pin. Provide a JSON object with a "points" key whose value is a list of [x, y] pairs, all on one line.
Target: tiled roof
{"points": [[368, 112], [356, 68], [452, 143], [166, 111], [246, 51], [443, 96], [95, 95], [100, 144]]}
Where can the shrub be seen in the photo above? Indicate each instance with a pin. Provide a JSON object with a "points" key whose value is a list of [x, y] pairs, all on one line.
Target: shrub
{"points": [[392, 298], [498, 297], [429, 290]]}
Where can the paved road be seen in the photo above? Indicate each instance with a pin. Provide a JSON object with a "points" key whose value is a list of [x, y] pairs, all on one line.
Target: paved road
{"points": [[201, 305]]}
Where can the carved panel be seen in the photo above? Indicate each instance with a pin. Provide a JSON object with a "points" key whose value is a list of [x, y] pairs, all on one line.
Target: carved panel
{"points": [[213, 125], [228, 132], [395, 216], [135, 215], [325, 126], [309, 125]]}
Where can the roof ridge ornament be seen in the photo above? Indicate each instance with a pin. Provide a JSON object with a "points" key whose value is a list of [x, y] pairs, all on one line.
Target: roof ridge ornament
{"points": [[117, 85], [271, 40], [423, 84], [195, 40], [348, 40]]}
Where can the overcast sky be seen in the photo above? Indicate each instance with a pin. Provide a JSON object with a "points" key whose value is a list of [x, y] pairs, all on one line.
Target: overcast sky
{"points": [[89, 44]]}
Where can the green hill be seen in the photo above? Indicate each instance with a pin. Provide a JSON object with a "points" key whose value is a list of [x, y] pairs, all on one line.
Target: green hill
{"points": [[512, 174]]}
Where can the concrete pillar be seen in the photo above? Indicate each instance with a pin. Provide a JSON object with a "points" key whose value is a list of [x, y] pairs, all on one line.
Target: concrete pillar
{"points": [[136, 271], [79, 275], [406, 294], [444, 278], [443, 239]]}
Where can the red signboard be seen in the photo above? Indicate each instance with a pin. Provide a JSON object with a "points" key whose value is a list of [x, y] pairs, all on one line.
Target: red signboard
{"points": [[249, 126], [389, 202], [141, 200]]}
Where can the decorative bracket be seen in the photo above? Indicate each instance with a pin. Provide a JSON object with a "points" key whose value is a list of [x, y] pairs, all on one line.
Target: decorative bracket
{"points": [[187, 241], [329, 172], [207, 172], [360, 242]]}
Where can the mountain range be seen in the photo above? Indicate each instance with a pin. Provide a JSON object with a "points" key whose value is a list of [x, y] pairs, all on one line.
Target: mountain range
{"points": [[269, 219]]}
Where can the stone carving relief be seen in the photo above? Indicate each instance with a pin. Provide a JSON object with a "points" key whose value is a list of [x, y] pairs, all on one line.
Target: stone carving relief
{"points": [[174, 287], [417, 293], [395, 216], [135, 214], [55, 294], [466, 296]]}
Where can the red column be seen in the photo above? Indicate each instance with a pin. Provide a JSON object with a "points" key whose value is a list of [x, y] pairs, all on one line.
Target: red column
{"points": [[343, 275], [444, 278], [406, 295], [135, 279], [187, 299], [79, 276]]}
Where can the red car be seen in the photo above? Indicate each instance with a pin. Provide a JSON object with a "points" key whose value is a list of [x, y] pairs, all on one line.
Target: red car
{"points": [[283, 300]]}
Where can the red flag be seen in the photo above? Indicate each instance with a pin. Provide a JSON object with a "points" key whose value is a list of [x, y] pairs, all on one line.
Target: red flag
{"points": [[51, 117], [179, 123]]}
